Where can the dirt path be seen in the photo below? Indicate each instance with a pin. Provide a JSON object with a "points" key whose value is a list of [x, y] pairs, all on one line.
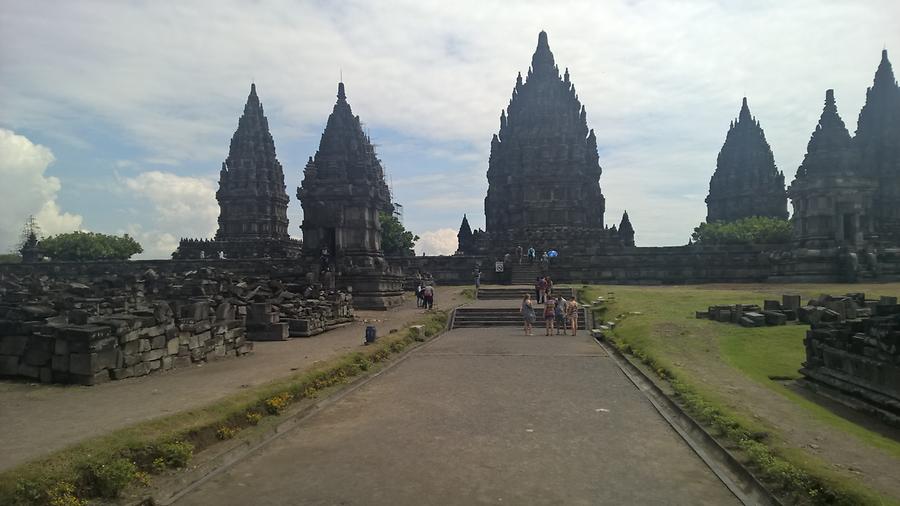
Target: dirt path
{"points": [[39, 419]]}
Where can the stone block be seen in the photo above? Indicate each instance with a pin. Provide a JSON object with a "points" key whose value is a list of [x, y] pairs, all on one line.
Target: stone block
{"points": [[224, 311], [194, 342], [60, 363], [39, 351], [167, 363], [270, 332], [158, 342], [790, 301], [13, 345], [154, 331], [172, 346], [155, 365], [9, 365], [46, 375], [28, 371], [130, 336], [887, 301], [771, 305], [122, 373], [152, 355], [775, 318], [141, 369], [143, 345], [417, 331], [83, 364], [701, 315], [61, 347], [179, 362], [757, 319], [130, 359]]}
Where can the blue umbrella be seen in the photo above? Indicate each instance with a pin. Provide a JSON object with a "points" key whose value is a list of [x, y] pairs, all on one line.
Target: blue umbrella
{"points": [[552, 253]]}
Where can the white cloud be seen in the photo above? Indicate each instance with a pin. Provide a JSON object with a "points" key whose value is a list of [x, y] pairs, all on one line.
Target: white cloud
{"points": [[184, 207], [437, 242], [26, 190]]}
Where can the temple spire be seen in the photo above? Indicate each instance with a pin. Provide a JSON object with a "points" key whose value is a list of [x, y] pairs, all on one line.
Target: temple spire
{"points": [[542, 62], [341, 95], [745, 111]]}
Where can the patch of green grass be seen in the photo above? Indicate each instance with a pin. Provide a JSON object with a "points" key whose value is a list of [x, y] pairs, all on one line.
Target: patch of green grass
{"points": [[668, 338], [169, 442]]}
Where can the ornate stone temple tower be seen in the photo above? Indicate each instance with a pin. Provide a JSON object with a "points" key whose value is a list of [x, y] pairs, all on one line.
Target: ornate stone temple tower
{"points": [[746, 181], [342, 194], [544, 170], [626, 230], [832, 194], [878, 141], [464, 238], [252, 199]]}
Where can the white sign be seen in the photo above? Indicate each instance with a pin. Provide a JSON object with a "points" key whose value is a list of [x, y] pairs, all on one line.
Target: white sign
{"points": [[498, 266]]}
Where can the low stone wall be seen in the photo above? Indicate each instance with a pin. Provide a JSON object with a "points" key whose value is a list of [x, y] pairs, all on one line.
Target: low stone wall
{"points": [[856, 354], [76, 348]]}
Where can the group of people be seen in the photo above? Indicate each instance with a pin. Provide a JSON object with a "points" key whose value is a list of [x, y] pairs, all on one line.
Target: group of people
{"points": [[559, 314], [424, 291], [543, 288], [531, 255]]}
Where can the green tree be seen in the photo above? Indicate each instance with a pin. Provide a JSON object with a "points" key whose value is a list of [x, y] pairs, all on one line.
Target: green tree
{"points": [[754, 230], [396, 240], [90, 246]]}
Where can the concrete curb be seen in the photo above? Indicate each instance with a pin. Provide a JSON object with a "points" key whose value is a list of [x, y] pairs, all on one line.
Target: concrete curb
{"points": [[190, 480], [734, 475]]}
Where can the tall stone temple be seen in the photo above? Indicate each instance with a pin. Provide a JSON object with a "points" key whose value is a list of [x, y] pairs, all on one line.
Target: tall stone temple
{"points": [[832, 193], [878, 142], [252, 199], [544, 171], [746, 181], [342, 194]]}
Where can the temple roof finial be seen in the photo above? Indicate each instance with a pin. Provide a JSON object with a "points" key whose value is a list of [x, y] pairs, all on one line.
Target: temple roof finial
{"points": [[341, 95], [542, 40]]}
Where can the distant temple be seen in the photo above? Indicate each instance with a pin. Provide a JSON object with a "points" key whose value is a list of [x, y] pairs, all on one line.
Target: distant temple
{"points": [[544, 170], [343, 193], [878, 143], [746, 181], [252, 199], [832, 194]]}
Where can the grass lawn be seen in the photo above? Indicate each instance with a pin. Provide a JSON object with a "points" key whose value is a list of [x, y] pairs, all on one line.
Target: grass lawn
{"points": [[729, 367]]}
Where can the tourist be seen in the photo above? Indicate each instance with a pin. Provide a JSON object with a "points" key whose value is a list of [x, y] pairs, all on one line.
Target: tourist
{"points": [[549, 314], [477, 281], [560, 313], [537, 289], [572, 315], [519, 253], [528, 315], [420, 297], [531, 255], [428, 295], [549, 290]]}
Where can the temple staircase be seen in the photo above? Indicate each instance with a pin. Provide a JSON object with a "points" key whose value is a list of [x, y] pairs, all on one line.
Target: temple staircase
{"points": [[525, 274], [482, 317]]}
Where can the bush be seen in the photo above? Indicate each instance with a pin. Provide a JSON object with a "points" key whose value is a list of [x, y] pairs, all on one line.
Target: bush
{"points": [[172, 455], [80, 246], [107, 479], [755, 230]]}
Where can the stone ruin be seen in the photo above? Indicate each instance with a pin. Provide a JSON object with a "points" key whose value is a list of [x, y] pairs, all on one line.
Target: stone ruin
{"points": [[118, 326], [853, 353], [772, 312]]}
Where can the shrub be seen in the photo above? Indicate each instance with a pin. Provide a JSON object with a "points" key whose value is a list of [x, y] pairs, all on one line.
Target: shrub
{"points": [[172, 454], [108, 478], [226, 432], [754, 230], [90, 246], [253, 417], [275, 405]]}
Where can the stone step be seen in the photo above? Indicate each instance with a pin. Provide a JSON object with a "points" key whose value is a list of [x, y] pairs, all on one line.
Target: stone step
{"points": [[500, 317]]}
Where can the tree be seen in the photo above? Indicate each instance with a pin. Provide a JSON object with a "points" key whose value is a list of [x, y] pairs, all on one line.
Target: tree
{"points": [[396, 240], [90, 246], [753, 230]]}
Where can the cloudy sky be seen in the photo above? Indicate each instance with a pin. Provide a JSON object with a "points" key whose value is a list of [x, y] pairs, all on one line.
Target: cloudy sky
{"points": [[116, 116]]}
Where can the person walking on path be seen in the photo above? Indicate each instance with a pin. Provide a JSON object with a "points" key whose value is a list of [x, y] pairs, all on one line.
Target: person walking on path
{"points": [[531, 254], [477, 281], [560, 313], [528, 314], [549, 314], [519, 253], [572, 315], [428, 295]]}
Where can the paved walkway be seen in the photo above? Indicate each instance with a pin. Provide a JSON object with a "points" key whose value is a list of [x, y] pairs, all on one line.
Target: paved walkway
{"points": [[479, 416], [36, 420]]}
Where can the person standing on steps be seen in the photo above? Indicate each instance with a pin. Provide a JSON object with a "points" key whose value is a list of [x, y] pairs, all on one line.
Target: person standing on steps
{"points": [[537, 289], [528, 315], [477, 281], [519, 253], [572, 315], [560, 313], [531, 255], [549, 313], [548, 291]]}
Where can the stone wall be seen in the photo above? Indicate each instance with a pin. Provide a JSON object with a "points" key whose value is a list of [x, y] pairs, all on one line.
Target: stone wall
{"points": [[856, 352]]}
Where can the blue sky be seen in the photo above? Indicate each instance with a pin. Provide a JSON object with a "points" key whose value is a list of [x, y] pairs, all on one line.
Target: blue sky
{"points": [[116, 116]]}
